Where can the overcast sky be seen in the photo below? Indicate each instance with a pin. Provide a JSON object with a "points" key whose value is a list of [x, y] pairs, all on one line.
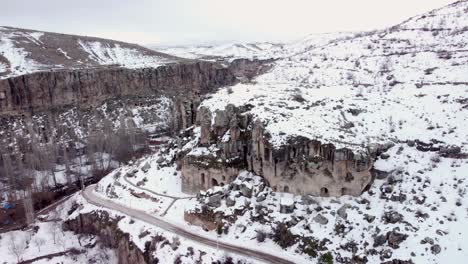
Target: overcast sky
{"points": [[205, 21]]}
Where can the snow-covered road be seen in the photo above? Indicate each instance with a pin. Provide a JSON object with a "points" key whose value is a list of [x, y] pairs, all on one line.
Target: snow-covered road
{"points": [[89, 195]]}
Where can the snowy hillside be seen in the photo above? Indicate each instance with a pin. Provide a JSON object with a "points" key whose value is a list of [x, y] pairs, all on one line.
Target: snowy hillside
{"points": [[26, 51], [397, 84]]}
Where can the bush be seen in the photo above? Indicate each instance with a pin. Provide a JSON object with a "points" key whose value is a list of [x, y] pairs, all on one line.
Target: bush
{"points": [[219, 229], [326, 258], [283, 236], [311, 246], [261, 236]]}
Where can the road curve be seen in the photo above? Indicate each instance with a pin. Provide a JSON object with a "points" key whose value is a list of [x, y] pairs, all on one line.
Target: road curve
{"points": [[89, 195], [153, 192]]}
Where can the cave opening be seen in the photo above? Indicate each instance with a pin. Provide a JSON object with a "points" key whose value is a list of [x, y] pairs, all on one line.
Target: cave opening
{"points": [[324, 192], [245, 153], [349, 177], [202, 176], [193, 113], [214, 182], [267, 154]]}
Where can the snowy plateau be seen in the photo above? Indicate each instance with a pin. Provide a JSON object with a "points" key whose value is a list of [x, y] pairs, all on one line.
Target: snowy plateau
{"points": [[191, 191]]}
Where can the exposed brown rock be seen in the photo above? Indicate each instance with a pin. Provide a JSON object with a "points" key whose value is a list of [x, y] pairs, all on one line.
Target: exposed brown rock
{"points": [[106, 228], [303, 166]]}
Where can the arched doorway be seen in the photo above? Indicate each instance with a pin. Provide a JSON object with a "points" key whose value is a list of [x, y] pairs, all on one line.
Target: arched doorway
{"points": [[286, 188], [349, 177], [324, 192], [214, 182]]}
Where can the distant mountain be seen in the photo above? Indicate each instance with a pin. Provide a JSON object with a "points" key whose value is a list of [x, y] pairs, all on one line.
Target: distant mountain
{"points": [[25, 51], [260, 50], [229, 50]]}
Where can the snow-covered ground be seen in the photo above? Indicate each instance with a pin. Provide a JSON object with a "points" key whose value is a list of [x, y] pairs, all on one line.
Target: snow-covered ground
{"points": [[17, 57], [424, 193], [395, 84], [115, 54], [45, 238]]}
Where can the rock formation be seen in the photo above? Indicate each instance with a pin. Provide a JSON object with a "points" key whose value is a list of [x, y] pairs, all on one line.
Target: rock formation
{"points": [[106, 228], [235, 142], [59, 88]]}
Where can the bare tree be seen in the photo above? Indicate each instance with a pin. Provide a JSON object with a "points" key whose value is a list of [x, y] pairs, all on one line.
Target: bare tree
{"points": [[17, 246], [55, 229], [38, 242], [61, 241], [8, 171]]}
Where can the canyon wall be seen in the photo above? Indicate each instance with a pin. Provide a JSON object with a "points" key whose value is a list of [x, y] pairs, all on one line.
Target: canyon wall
{"points": [[301, 166], [184, 82], [42, 90]]}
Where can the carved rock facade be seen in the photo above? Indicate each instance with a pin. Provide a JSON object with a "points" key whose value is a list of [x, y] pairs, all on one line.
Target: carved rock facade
{"points": [[235, 142]]}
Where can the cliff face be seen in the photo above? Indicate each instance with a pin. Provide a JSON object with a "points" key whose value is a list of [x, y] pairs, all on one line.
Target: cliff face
{"points": [[302, 166], [102, 225], [44, 90]]}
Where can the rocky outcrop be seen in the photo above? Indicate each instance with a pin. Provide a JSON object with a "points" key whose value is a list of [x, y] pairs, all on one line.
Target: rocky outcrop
{"points": [[100, 224], [302, 166], [89, 86]]}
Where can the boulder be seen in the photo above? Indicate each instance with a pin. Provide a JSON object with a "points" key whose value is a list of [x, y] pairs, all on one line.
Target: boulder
{"points": [[395, 238], [449, 151], [307, 200], [384, 156], [435, 249], [380, 240], [392, 217], [246, 190], [215, 200], [427, 240], [146, 167], [379, 175], [342, 211], [386, 253], [230, 202], [321, 219], [261, 197], [369, 218], [287, 206]]}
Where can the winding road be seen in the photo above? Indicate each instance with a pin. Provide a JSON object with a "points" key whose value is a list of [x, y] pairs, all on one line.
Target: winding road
{"points": [[89, 195]]}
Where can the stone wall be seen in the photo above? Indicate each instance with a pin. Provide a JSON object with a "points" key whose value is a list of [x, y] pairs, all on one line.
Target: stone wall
{"points": [[302, 166]]}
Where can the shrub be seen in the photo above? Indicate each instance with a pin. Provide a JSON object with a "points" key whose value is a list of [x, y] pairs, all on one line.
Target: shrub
{"points": [[261, 235], [219, 229], [283, 236], [326, 258], [310, 246]]}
